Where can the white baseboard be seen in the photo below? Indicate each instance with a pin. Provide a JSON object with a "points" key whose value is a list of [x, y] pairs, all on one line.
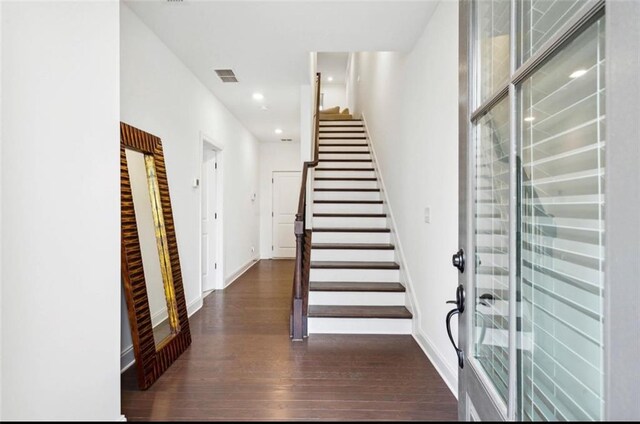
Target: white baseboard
{"points": [[127, 356], [123, 418], [449, 376], [127, 359], [241, 270]]}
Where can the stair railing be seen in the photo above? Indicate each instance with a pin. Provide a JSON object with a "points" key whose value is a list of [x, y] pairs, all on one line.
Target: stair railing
{"points": [[300, 298]]}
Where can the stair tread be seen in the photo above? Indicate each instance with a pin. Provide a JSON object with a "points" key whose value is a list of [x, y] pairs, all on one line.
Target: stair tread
{"points": [[346, 189], [346, 179], [372, 202], [344, 160], [345, 169], [349, 215], [344, 152], [332, 311], [355, 286], [343, 145], [354, 265], [353, 246], [350, 230], [323, 131]]}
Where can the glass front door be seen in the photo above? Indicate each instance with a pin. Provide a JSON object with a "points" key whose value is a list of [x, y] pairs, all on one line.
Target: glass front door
{"points": [[533, 179]]}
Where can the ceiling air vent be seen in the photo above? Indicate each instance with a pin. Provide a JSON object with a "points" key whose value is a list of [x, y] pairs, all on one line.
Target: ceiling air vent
{"points": [[286, 139], [226, 75]]}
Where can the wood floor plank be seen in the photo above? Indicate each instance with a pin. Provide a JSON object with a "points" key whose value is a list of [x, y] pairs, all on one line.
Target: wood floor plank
{"points": [[243, 366]]}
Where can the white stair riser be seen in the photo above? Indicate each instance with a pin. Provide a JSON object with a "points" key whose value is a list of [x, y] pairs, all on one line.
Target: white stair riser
{"points": [[363, 275], [332, 141], [493, 281], [364, 255], [487, 208], [350, 156], [341, 127], [356, 298], [346, 134], [494, 240], [346, 195], [356, 222], [358, 326], [347, 207], [359, 148], [350, 237], [329, 123], [491, 223], [344, 184], [494, 259], [347, 164], [345, 174]]}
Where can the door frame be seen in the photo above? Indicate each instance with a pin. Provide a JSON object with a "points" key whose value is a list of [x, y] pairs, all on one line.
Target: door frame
{"points": [[208, 143], [621, 333], [273, 179]]}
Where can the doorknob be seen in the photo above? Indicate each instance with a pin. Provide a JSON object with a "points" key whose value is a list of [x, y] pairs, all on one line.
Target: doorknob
{"points": [[459, 302], [458, 260]]}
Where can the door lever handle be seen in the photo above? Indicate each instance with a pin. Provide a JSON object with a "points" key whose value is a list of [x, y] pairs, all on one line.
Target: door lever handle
{"points": [[459, 302], [459, 352]]}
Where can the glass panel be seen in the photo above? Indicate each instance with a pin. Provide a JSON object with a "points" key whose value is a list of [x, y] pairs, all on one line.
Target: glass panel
{"points": [[492, 44], [491, 317], [540, 20], [562, 227]]}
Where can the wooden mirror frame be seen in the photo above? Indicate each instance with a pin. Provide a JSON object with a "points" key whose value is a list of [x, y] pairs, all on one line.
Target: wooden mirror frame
{"points": [[151, 361]]}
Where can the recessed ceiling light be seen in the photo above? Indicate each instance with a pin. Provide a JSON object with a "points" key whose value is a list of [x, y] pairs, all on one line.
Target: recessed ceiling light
{"points": [[329, 79], [578, 73], [529, 118], [258, 96], [278, 131]]}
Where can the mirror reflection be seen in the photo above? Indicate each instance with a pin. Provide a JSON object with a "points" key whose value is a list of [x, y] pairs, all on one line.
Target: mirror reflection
{"points": [[153, 246]]}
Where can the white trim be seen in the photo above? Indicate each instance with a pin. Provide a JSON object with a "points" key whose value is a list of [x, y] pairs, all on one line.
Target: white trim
{"points": [[127, 359], [127, 356], [159, 316], [123, 418], [205, 140], [241, 270], [436, 357]]}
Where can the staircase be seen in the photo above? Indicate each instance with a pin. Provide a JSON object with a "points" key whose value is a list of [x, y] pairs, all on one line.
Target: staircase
{"points": [[354, 284]]}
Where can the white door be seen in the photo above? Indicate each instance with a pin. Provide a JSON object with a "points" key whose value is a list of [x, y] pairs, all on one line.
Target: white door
{"points": [[209, 218], [286, 189]]}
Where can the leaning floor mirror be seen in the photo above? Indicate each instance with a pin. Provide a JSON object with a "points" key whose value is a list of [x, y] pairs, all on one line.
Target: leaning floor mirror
{"points": [[151, 274]]}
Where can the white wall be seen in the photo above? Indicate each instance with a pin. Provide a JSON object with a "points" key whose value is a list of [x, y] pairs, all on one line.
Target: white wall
{"points": [[274, 156], [410, 102], [60, 211], [0, 212], [161, 96], [334, 95]]}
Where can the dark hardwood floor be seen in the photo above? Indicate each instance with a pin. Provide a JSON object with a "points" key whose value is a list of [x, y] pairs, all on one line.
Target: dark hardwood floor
{"points": [[243, 366]]}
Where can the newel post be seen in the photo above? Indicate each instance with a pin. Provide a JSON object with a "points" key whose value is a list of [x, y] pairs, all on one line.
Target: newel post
{"points": [[297, 331]]}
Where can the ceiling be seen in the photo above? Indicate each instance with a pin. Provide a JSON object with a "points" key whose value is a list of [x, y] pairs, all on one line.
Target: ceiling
{"points": [[334, 66], [267, 44]]}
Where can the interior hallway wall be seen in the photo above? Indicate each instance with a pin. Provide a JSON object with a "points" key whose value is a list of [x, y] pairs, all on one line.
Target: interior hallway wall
{"points": [[410, 104], [60, 211], [161, 96], [334, 95]]}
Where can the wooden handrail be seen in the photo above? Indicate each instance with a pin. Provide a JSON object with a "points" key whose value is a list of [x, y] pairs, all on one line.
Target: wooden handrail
{"points": [[298, 324]]}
